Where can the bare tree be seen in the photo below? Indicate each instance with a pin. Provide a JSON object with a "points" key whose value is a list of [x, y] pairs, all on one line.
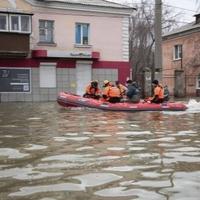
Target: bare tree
{"points": [[141, 39], [142, 36]]}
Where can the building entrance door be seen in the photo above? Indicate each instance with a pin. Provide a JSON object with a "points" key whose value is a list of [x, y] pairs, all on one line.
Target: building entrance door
{"points": [[179, 86], [83, 75]]}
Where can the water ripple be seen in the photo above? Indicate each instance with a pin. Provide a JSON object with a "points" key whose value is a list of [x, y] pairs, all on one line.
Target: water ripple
{"points": [[12, 153], [48, 153]]}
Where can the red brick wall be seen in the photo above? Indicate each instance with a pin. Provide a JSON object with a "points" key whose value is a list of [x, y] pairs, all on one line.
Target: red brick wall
{"points": [[188, 43]]}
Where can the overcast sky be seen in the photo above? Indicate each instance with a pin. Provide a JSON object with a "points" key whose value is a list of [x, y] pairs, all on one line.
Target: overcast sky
{"points": [[187, 7]]}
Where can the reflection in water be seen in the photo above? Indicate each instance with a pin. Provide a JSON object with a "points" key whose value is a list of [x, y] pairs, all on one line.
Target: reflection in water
{"points": [[125, 192], [25, 191], [12, 153], [50, 153], [25, 174]]}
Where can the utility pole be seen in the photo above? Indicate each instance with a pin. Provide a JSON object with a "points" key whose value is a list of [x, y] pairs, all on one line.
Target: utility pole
{"points": [[157, 71]]}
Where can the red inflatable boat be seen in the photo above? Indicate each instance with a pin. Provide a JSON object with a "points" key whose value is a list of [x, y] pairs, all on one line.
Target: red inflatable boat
{"points": [[67, 100]]}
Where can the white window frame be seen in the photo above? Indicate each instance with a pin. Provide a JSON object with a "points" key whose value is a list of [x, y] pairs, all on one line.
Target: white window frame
{"points": [[81, 43], [198, 82], [47, 75], [29, 24], [10, 22], [2, 30], [46, 30], [178, 52], [19, 30]]}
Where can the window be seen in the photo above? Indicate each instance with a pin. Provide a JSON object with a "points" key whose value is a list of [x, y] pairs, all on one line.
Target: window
{"points": [[47, 75], [198, 82], [3, 22], [15, 23], [46, 28], [25, 23], [20, 23], [82, 34], [177, 52]]}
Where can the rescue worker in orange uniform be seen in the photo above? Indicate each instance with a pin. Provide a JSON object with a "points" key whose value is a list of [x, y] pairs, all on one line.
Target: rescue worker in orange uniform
{"points": [[111, 93], [92, 90], [158, 96], [121, 87]]}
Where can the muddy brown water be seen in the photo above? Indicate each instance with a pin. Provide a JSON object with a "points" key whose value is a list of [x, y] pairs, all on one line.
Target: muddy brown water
{"points": [[50, 153]]}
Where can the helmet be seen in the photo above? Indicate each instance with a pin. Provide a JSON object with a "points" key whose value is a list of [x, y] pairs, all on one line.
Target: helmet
{"points": [[105, 82], [155, 82]]}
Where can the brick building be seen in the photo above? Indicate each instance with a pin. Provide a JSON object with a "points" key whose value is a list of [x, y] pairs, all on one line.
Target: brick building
{"points": [[181, 60]]}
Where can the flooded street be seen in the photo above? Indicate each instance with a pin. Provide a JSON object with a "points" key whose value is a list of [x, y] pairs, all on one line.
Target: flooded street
{"points": [[51, 153]]}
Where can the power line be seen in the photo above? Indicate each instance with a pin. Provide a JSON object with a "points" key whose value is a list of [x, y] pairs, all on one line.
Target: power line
{"points": [[179, 8], [167, 5], [176, 7]]}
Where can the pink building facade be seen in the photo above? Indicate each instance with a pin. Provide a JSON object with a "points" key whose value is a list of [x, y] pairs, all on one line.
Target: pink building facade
{"points": [[181, 63], [70, 44]]}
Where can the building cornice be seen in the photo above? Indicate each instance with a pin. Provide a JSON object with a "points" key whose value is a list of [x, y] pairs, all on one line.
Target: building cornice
{"points": [[82, 7]]}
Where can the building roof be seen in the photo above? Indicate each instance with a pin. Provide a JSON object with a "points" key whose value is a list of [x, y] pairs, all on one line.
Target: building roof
{"points": [[103, 6], [104, 3], [186, 29], [101, 3]]}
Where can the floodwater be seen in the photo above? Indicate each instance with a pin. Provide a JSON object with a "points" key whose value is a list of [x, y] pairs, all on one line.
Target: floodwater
{"points": [[51, 153]]}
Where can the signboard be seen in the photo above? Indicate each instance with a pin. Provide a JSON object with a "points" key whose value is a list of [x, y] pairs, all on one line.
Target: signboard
{"points": [[15, 80], [65, 54]]}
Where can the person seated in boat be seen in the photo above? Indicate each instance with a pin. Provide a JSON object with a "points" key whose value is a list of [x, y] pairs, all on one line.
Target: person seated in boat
{"points": [[111, 93], [166, 93], [106, 87], [158, 93], [122, 88], [132, 93], [92, 90]]}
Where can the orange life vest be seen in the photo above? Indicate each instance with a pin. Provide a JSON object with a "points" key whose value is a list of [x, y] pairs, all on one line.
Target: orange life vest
{"points": [[159, 91], [111, 91], [91, 90], [114, 92], [106, 90]]}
